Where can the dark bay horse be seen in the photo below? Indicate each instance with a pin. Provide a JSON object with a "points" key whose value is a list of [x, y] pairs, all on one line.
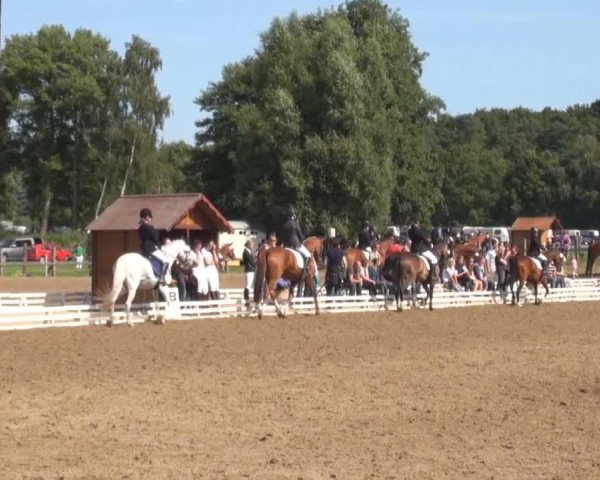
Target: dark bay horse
{"points": [[404, 270], [273, 264], [593, 254]]}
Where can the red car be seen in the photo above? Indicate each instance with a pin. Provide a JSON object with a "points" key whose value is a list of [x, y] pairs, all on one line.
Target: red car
{"points": [[42, 252]]}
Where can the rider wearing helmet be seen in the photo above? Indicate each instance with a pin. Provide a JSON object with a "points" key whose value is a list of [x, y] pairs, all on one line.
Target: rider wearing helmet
{"points": [[535, 248], [292, 237], [150, 242], [420, 244]]}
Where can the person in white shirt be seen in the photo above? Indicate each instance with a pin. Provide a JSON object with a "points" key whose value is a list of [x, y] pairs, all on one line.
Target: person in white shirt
{"points": [[199, 271], [490, 259], [449, 277], [211, 261]]}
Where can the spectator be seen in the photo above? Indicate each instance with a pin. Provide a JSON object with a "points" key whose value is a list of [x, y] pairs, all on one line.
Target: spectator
{"points": [[490, 261], [574, 266], [249, 262], [480, 272], [463, 275], [334, 275], [449, 277], [565, 243], [501, 262], [79, 254], [200, 282], [355, 278], [477, 283]]}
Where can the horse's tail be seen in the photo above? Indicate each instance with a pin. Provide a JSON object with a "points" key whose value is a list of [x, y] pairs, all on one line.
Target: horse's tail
{"points": [[260, 278], [110, 297]]}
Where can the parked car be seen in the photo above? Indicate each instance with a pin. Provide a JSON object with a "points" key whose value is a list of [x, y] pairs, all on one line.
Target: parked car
{"points": [[14, 249], [42, 252]]}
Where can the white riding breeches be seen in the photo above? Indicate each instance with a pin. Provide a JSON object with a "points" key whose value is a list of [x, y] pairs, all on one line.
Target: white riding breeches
{"points": [[542, 258], [162, 256], [212, 276], [302, 250], [248, 280], [200, 274], [430, 256]]}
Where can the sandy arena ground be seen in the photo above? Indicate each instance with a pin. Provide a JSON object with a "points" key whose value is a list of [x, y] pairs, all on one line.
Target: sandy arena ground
{"points": [[489, 392]]}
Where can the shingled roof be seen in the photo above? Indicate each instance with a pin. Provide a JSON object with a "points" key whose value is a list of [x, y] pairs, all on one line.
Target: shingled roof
{"points": [[541, 223], [167, 210]]}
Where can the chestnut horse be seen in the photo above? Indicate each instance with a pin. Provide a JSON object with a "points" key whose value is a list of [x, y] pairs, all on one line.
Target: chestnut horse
{"points": [[593, 254], [226, 253], [524, 270], [316, 246], [276, 263], [353, 255], [404, 270]]}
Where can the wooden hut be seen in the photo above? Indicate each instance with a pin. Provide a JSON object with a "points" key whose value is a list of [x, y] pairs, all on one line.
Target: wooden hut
{"points": [[114, 232], [519, 233]]}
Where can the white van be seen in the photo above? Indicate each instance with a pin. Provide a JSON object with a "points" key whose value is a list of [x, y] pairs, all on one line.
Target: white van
{"points": [[242, 232]]}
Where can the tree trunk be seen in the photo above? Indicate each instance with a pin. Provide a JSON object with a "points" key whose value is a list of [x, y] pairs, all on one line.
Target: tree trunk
{"points": [[101, 199], [46, 213], [128, 167]]}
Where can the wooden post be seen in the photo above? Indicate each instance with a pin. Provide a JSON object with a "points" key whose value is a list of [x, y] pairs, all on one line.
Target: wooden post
{"points": [[24, 265], [54, 260]]}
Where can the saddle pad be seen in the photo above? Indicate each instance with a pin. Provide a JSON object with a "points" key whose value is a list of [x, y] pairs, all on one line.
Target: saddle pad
{"points": [[424, 261], [156, 266], [299, 258], [537, 263]]}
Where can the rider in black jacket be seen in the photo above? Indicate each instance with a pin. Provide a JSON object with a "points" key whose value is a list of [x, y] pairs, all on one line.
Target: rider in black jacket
{"points": [[292, 237], [420, 244], [535, 248], [150, 242]]}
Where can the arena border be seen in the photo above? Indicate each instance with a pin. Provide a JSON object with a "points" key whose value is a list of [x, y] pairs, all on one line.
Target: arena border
{"points": [[76, 315]]}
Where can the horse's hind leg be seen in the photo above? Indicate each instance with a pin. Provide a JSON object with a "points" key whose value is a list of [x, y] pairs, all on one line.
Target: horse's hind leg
{"points": [[128, 302], [399, 293]]}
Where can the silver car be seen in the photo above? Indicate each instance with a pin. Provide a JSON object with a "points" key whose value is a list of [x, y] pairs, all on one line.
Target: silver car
{"points": [[15, 249]]}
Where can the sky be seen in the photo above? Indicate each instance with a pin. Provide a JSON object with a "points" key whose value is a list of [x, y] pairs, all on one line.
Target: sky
{"points": [[482, 53]]}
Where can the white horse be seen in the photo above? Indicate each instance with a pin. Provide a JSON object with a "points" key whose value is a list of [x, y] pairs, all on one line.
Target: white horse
{"points": [[133, 271]]}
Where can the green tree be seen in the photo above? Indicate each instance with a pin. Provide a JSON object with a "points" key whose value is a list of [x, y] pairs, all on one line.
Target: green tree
{"points": [[329, 116]]}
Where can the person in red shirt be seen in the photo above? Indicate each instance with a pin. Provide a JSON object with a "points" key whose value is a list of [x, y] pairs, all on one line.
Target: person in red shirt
{"points": [[395, 247]]}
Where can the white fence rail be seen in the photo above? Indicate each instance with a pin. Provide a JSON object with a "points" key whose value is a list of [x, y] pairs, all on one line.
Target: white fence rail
{"points": [[40, 310]]}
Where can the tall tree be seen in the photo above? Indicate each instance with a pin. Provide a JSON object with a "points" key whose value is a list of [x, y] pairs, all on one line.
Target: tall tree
{"points": [[328, 115]]}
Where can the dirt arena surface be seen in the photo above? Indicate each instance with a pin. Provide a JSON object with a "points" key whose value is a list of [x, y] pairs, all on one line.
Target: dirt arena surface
{"points": [[488, 392]]}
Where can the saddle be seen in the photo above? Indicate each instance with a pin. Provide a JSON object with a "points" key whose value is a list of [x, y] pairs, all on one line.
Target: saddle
{"points": [[299, 257], [424, 261], [537, 262], [157, 266]]}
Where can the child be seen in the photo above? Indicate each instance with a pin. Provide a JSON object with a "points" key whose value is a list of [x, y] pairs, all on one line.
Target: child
{"points": [[574, 266]]}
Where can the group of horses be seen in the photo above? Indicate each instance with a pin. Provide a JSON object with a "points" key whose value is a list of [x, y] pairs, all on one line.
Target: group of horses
{"points": [[403, 270]]}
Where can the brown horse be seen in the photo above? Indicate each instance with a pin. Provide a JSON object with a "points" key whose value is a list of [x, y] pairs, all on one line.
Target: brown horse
{"points": [[404, 270], [593, 254], [276, 263], [524, 270], [381, 247], [353, 255], [226, 253], [465, 250], [316, 246]]}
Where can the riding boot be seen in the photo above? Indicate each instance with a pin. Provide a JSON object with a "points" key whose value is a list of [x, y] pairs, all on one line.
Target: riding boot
{"points": [[246, 294], [545, 266], [163, 274], [432, 271]]}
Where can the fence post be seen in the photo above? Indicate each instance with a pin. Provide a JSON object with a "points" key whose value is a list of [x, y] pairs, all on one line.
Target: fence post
{"points": [[24, 264], [54, 260]]}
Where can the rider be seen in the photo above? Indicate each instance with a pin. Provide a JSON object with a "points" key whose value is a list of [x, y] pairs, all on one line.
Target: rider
{"points": [[420, 244], [292, 237], [366, 238], [150, 242], [535, 249], [436, 235]]}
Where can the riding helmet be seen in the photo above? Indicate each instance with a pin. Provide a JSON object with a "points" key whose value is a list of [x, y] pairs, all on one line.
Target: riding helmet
{"points": [[145, 212]]}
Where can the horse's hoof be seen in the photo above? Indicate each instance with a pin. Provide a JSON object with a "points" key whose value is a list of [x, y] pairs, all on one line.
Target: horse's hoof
{"points": [[129, 324]]}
